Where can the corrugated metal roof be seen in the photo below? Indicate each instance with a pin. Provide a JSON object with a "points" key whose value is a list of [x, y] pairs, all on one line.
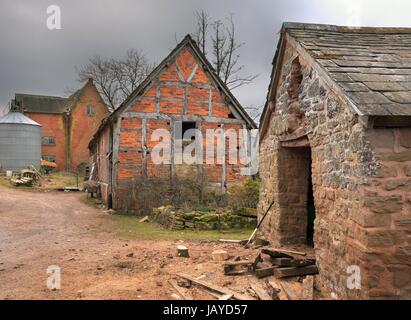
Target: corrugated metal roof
{"points": [[18, 118]]}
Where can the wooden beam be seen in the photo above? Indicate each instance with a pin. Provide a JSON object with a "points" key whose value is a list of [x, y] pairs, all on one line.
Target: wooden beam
{"points": [[187, 117], [265, 272], [260, 292], [215, 288], [294, 271], [286, 251], [185, 295]]}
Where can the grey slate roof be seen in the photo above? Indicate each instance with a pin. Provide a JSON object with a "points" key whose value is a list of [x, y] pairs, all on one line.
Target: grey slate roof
{"points": [[42, 104], [47, 104], [372, 65], [17, 118]]}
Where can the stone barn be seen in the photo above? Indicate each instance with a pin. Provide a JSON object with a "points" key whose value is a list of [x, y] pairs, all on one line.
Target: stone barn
{"points": [[183, 92], [335, 155]]}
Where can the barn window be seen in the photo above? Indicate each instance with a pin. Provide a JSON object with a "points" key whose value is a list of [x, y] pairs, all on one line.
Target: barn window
{"points": [[188, 125], [90, 110], [49, 158], [48, 141]]}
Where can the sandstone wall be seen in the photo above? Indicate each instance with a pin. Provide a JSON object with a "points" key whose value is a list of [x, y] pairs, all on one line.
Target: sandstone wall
{"points": [[349, 174]]}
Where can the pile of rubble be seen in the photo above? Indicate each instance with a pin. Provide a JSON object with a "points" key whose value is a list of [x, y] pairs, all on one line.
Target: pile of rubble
{"points": [[26, 177], [287, 275]]}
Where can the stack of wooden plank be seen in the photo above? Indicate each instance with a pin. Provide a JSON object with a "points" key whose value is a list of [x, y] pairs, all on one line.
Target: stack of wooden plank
{"points": [[281, 263]]}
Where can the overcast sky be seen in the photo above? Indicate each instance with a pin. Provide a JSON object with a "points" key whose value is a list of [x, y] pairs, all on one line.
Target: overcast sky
{"points": [[36, 60]]}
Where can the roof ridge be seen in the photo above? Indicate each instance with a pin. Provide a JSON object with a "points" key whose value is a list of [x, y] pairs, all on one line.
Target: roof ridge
{"points": [[39, 95], [345, 29]]}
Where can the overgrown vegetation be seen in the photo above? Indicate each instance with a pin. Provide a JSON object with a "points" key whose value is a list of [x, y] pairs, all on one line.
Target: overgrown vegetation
{"points": [[187, 193]]}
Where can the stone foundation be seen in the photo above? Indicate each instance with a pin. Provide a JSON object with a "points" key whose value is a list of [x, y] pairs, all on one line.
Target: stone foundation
{"points": [[174, 219]]}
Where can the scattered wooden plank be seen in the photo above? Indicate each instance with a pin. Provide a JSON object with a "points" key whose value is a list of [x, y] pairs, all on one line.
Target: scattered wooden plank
{"points": [[235, 272], [291, 289], [257, 259], [283, 262], [185, 295], [288, 251], [230, 241], [273, 289], [230, 266], [265, 272], [287, 262], [260, 292], [308, 288], [215, 288], [293, 271], [275, 254]]}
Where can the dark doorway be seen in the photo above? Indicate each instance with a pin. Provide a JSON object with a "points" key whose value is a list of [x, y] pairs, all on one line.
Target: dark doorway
{"points": [[295, 194], [310, 210]]}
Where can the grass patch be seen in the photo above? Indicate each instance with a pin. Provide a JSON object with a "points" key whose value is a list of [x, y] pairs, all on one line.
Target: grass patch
{"points": [[50, 181], [130, 228], [93, 202]]}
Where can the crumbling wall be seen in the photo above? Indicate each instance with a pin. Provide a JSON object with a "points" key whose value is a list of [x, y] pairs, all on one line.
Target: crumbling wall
{"points": [[357, 221]]}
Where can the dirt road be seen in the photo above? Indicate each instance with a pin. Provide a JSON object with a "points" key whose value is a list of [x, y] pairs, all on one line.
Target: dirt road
{"points": [[40, 229]]}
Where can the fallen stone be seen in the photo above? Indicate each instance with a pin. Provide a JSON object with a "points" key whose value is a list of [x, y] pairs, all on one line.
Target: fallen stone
{"points": [[219, 255]]}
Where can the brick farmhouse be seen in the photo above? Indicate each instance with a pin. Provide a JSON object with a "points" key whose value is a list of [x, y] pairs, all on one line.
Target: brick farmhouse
{"points": [[67, 124], [183, 92], [335, 155]]}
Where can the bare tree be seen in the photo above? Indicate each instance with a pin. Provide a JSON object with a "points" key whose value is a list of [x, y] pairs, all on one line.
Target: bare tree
{"points": [[116, 79], [224, 48], [254, 111], [203, 22]]}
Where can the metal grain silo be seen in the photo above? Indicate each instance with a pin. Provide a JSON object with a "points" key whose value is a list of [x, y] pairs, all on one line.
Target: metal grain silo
{"points": [[20, 142]]}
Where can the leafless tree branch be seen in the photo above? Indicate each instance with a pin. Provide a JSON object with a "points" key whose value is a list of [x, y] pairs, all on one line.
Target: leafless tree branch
{"points": [[116, 79]]}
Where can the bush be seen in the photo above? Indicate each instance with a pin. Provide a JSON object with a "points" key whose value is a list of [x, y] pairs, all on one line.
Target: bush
{"points": [[47, 166], [188, 194], [245, 195]]}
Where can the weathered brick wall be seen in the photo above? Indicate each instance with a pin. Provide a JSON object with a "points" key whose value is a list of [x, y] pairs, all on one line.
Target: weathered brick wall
{"points": [[83, 127], [52, 125], [101, 158], [182, 92], [345, 166]]}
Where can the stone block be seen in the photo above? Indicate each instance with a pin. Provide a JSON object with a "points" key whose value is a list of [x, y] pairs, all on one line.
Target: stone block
{"points": [[405, 137], [391, 156], [382, 138], [384, 204], [402, 278], [386, 172], [384, 238]]}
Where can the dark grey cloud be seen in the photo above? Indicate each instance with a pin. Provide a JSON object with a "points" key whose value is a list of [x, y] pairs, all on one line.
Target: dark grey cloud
{"points": [[34, 59]]}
